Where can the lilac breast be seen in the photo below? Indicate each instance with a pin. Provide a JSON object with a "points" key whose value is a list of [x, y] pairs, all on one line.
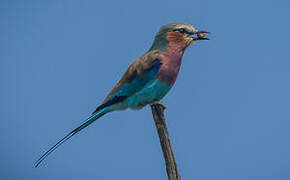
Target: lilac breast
{"points": [[170, 67]]}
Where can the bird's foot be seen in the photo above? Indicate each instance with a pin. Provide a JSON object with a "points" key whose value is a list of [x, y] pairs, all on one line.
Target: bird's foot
{"points": [[158, 103]]}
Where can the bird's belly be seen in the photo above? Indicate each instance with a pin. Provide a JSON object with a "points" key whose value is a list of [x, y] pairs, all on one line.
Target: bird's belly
{"points": [[152, 91]]}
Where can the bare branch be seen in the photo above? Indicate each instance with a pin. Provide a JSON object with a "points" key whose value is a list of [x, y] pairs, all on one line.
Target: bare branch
{"points": [[160, 123]]}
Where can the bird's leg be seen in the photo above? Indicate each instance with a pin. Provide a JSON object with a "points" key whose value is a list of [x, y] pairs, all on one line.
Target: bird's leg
{"points": [[158, 103]]}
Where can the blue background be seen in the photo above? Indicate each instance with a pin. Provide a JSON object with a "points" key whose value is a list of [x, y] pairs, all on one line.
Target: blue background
{"points": [[228, 114]]}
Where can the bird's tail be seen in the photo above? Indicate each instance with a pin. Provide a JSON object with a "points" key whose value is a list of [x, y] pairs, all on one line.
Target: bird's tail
{"points": [[88, 121]]}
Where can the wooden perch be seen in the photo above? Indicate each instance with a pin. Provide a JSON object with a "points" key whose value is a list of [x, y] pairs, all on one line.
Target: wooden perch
{"points": [[160, 123]]}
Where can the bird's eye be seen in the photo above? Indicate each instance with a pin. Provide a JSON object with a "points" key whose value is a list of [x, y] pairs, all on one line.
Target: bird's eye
{"points": [[181, 30]]}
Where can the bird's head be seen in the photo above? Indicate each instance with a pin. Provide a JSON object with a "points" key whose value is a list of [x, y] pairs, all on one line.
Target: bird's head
{"points": [[179, 35]]}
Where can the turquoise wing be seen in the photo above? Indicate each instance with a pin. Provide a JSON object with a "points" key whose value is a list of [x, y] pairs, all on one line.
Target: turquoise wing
{"points": [[135, 79]]}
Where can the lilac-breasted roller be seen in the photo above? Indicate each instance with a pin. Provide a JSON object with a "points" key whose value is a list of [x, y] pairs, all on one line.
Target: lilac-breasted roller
{"points": [[148, 79]]}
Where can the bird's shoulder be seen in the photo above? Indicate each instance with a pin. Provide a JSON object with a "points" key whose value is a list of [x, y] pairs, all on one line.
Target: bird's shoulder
{"points": [[138, 68], [143, 63]]}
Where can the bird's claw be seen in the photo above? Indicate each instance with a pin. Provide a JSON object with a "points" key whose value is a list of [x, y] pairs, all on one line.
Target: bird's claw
{"points": [[158, 103]]}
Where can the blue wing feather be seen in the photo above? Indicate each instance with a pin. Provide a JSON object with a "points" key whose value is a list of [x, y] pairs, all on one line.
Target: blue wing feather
{"points": [[138, 81], [130, 88]]}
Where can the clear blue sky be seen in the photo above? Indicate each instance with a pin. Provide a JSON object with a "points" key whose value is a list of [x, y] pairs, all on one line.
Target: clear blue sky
{"points": [[228, 114]]}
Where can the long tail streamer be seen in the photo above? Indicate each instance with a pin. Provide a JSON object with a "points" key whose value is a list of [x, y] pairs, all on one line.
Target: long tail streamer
{"points": [[90, 120]]}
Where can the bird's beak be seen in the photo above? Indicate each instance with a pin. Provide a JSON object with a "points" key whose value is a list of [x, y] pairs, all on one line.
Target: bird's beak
{"points": [[200, 35]]}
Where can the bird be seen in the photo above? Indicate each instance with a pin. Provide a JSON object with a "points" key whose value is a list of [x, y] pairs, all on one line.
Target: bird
{"points": [[148, 79]]}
